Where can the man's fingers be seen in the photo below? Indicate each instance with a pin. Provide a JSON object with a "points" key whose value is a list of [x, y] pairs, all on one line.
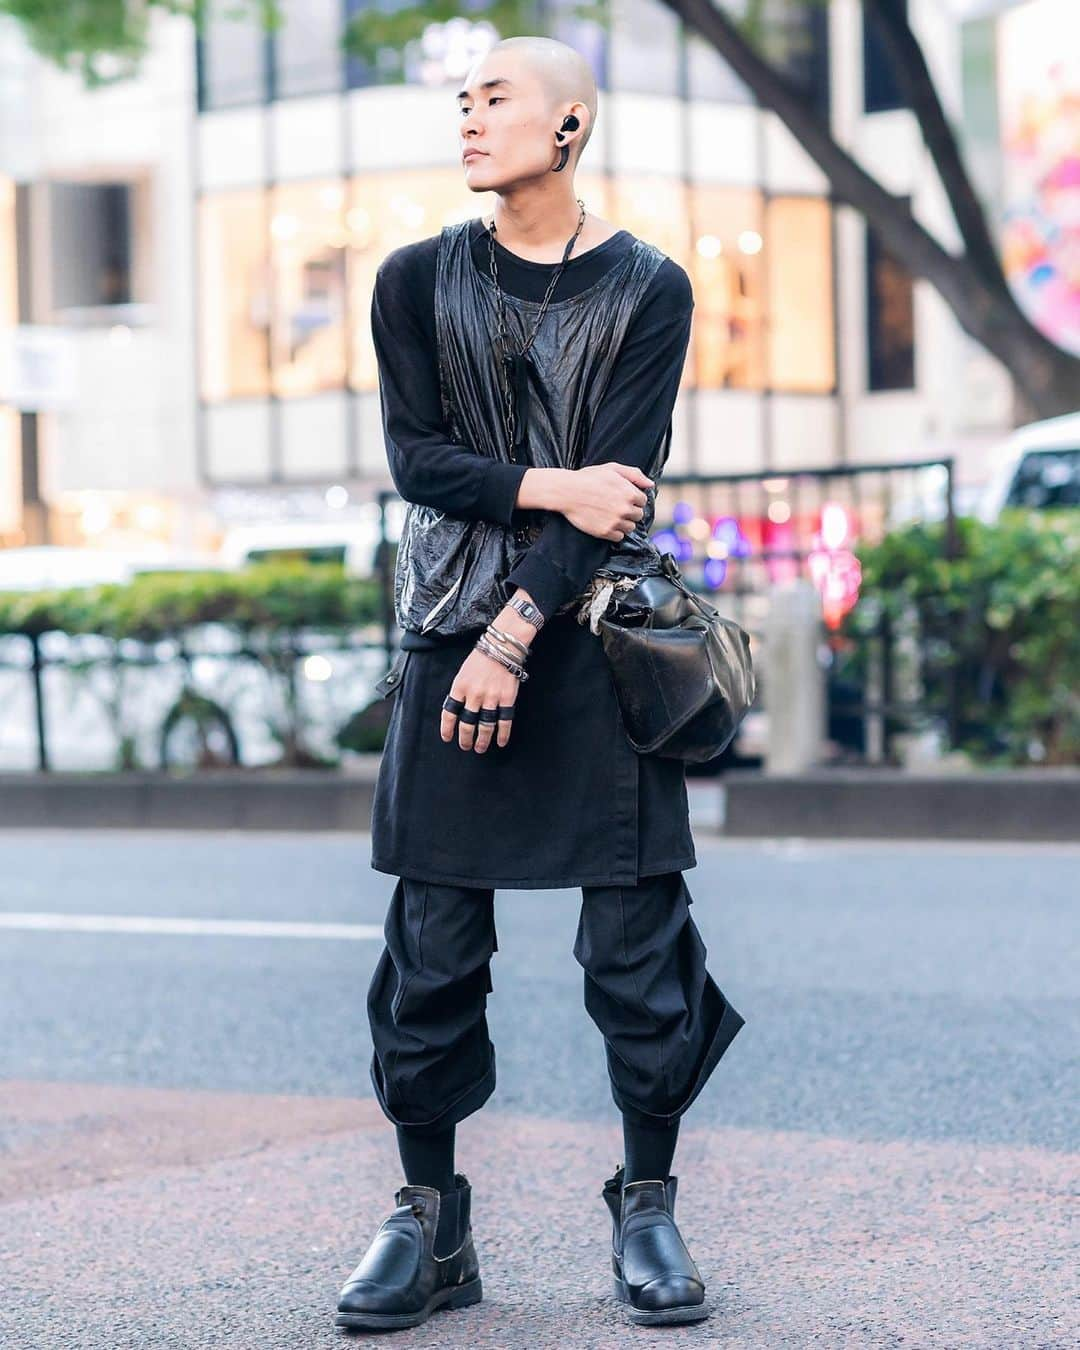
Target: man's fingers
{"points": [[485, 729], [474, 724], [448, 720], [468, 720], [634, 474]]}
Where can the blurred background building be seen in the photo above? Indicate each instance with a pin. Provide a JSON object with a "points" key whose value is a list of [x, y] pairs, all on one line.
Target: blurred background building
{"points": [[186, 259]]}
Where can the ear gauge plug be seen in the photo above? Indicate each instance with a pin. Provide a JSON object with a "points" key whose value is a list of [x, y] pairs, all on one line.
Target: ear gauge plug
{"points": [[569, 123]]}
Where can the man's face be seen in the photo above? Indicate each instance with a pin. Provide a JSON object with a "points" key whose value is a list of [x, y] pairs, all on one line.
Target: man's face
{"points": [[512, 123]]}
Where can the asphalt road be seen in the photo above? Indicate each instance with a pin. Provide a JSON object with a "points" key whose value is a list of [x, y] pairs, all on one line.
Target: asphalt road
{"points": [[190, 1154]]}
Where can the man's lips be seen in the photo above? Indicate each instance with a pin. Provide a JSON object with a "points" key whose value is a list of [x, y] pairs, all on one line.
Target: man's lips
{"points": [[468, 154]]}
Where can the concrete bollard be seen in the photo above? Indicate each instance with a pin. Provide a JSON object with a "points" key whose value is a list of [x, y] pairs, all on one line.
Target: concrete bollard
{"points": [[794, 679]]}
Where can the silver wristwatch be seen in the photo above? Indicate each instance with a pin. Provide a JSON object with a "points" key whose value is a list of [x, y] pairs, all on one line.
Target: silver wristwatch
{"points": [[528, 610]]}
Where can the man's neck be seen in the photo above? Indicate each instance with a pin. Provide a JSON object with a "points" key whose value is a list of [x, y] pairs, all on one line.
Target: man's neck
{"points": [[538, 229]]}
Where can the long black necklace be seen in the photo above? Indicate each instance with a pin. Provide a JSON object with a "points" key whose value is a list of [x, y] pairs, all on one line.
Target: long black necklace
{"points": [[515, 365]]}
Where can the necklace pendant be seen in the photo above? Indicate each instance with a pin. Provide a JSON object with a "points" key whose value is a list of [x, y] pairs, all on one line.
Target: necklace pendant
{"points": [[516, 372]]}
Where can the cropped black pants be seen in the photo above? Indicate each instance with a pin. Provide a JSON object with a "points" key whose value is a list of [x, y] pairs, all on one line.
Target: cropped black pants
{"points": [[664, 1021]]}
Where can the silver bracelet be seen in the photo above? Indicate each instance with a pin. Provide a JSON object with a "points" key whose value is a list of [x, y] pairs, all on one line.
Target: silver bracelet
{"points": [[506, 661], [514, 643], [511, 665]]}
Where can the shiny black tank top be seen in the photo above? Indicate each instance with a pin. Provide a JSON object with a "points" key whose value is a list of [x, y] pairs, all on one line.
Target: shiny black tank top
{"points": [[448, 570]]}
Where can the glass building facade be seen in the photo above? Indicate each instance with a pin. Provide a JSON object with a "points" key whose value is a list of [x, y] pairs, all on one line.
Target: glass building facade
{"points": [[314, 166]]}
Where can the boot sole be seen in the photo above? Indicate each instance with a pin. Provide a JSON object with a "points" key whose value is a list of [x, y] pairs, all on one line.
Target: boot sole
{"points": [[689, 1312], [453, 1296]]}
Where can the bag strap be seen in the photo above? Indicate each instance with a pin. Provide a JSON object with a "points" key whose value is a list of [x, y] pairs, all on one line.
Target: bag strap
{"points": [[671, 570]]}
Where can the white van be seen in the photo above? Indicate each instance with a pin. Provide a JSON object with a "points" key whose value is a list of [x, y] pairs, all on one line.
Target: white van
{"points": [[352, 541], [1037, 468]]}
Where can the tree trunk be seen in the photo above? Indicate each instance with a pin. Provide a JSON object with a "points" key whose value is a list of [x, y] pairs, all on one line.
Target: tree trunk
{"points": [[972, 284]]}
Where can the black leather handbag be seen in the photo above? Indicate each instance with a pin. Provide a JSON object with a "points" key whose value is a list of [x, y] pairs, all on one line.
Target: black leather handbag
{"points": [[682, 672]]}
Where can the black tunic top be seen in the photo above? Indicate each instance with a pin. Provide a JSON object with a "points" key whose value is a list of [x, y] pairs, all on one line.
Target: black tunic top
{"points": [[568, 801]]}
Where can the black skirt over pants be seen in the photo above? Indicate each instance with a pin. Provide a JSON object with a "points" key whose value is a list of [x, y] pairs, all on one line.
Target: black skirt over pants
{"points": [[567, 802]]}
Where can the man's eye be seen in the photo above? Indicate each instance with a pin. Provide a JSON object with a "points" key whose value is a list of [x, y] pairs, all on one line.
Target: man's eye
{"points": [[497, 99]]}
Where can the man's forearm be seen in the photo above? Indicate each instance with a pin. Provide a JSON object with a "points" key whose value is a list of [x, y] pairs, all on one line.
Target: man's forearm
{"points": [[545, 489]]}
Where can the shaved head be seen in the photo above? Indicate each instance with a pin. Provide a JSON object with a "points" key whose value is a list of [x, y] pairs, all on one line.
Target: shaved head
{"points": [[564, 73]]}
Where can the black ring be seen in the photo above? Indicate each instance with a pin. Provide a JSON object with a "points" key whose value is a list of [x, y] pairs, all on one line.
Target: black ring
{"points": [[453, 705], [506, 712], [470, 716], [489, 714]]}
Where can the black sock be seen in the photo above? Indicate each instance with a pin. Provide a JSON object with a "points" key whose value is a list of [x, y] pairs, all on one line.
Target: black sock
{"points": [[428, 1160], [648, 1151]]}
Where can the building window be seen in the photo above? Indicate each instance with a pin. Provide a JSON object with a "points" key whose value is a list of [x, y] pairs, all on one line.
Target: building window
{"points": [[308, 55], [726, 270], [644, 47], [231, 56], [587, 36], [91, 245], [795, 39], [235, 295], [881, 92], [709, 77], [9, 279], [11, 516], [798, 258], [763, 294], [890, 319], [308, 243]]}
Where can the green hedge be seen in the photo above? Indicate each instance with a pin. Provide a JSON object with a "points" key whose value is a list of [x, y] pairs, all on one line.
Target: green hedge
{"points": [[1001, 618], [267, 607], [267, 599]]}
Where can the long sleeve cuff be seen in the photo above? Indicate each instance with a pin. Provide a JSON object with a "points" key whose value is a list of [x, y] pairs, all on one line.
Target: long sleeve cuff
{"points": [[547, 584], [498, 491]]}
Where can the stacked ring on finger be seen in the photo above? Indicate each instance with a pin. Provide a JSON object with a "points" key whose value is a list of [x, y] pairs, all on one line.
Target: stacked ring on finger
{"points": [[503, 713]]}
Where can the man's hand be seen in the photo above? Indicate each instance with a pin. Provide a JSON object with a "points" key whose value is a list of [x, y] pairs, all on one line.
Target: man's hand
{"points": [[606, 500], [483, 682]]}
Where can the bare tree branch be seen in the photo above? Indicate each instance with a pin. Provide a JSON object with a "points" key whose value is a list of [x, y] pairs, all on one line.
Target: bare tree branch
{"points": [[984, 307], [913, 76]]}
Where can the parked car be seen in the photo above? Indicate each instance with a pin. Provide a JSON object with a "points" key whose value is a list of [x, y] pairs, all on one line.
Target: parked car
{"points": [[1037, 467], [353, 541]]}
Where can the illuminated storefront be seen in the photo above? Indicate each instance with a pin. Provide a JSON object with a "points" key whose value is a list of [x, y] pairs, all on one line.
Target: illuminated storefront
{"points": [[287, 250]]}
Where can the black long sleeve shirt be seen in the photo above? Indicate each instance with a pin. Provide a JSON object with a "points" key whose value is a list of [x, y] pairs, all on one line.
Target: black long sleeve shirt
{"points": [[629, 426]]}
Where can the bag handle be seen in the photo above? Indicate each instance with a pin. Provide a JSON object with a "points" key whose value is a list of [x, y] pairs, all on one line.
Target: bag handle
{"points": [[671, 570]]}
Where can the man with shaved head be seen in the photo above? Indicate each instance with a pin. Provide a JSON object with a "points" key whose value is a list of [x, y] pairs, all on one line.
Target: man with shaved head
{"points": [[529, 363]]}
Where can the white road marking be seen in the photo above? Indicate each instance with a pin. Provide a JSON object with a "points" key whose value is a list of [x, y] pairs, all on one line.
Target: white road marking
{"points": [[138, 923]]}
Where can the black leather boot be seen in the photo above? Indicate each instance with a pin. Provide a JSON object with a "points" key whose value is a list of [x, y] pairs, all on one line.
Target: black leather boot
{"points": [[655, 1275], [400, 1281]]}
